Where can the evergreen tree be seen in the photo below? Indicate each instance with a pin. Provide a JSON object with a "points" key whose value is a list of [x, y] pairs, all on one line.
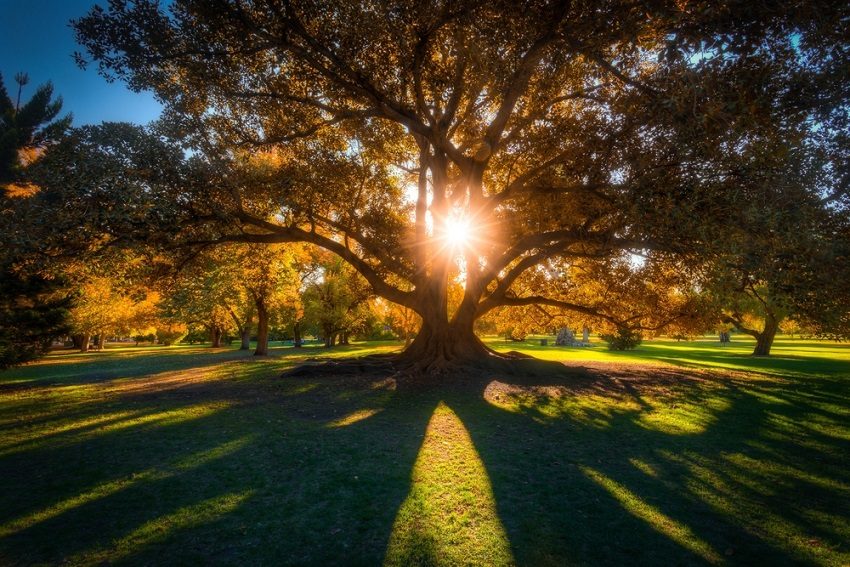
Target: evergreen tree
{"points": [[33, 308]]}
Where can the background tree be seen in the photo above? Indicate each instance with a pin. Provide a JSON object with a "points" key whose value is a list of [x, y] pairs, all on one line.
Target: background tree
{"points": [[201, 295], [336, 302], [403, 321], [272, 282], [26, 129], [786, 229]]}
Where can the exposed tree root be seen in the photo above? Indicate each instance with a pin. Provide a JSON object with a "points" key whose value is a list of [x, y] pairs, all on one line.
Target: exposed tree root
{"points": [[442, 371]]}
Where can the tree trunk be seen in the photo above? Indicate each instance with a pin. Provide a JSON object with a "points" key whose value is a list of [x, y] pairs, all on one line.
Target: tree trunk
{"points": [[585, 335], [343, 338], [215, 336], [245, 333], [441, 345], [85, 339], [764, 340], [101, 341], [262, 328], [296, 334]]}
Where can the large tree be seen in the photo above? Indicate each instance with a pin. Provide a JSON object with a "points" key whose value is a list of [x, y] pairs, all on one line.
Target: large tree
{"points": [[417, 140]]}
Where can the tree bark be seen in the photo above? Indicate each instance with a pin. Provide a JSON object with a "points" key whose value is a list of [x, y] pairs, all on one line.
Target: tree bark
{"points": [[245, 333], [764, 339], [101, 341], [84, 339], [440, 345], [296, 334], [215, 336], [262, 328]]}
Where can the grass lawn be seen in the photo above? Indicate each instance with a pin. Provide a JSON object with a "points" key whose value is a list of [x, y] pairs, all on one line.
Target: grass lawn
{"points": [[676, 453]]}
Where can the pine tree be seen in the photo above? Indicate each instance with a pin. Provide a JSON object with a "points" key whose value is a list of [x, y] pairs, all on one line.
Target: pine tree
{"points": [[33, 308]]}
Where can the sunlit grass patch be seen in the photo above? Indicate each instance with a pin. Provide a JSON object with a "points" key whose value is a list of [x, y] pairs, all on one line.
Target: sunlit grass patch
{"points": [[102, 490], [675, 530], [678, 417], [162, 528], [550, 403], [354, 417], [450, 515], [660, 409]]}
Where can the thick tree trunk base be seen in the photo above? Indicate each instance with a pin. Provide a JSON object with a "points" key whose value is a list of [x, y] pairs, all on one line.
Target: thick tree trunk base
{"points": [[468, 376], [764, 340], [451, 356], [416, 372], [763, 345]]}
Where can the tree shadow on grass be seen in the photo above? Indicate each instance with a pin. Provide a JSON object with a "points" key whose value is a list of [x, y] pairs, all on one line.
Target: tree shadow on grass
{"points": [[657, 466], [787, 365], [274, 472], [604, 465]]}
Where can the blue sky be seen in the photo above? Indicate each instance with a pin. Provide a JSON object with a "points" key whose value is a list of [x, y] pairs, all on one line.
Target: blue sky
{"points": [[35, 38]]}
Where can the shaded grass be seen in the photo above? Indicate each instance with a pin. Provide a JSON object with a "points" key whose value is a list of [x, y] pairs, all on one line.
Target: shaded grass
{"points": [[187, 455]]}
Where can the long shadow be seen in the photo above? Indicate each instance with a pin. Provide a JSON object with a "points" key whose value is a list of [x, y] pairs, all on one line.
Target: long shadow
{"points": [[604, 488], [292, 478]]}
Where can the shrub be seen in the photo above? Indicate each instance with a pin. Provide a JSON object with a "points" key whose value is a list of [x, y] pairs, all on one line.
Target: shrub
{"points": [[624, 339], [169, 335]]}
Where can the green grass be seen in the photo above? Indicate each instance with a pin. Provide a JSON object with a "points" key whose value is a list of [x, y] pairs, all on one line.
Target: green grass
{"points": [[789, 356], [699, 455]]}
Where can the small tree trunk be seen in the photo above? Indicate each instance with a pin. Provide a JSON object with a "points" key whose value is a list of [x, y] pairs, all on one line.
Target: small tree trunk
{"points": [[343, 338], [764, 340], [585, 335], [262, 328], [245, 333], [296, 334], [101, 341], [215, 336], [85, 339]]}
